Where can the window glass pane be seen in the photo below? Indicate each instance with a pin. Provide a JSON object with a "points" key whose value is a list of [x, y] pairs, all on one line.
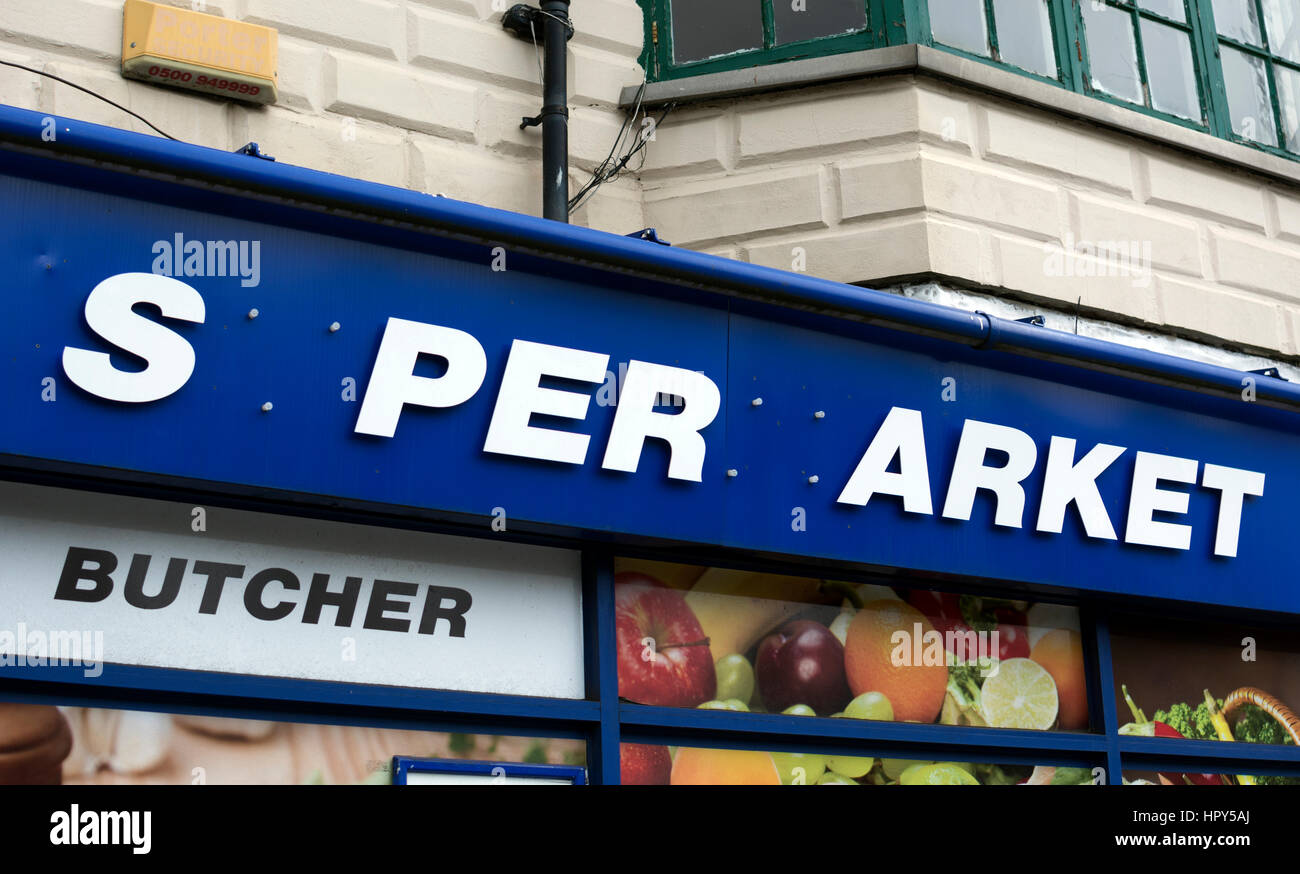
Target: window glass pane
{"points": [[97, 746], [1170, 73], [1025, 35], [1206, 681], [717, 27], [1288, 93], [1112, 53], [1282, 19], [960, 24], [735, 640], [808, 19], [646, 764], [1168, 8], [1236, 19], [1251, 110]]}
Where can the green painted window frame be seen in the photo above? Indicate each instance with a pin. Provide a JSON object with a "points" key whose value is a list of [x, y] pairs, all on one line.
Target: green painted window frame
{"points": [[1271, 62], [900, 22], [657, 56]]}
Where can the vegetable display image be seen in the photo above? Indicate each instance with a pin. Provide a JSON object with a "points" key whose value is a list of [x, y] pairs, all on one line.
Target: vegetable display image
{"points": [[722, 639], [1185, 668]]}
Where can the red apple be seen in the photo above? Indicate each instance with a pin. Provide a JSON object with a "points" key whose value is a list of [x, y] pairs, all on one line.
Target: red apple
{"points": [[663, 655], [644, 765], [802, 663]]}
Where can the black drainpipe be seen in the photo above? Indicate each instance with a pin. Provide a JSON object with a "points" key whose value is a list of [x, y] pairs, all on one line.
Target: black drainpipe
{"points": [[551, 27]]}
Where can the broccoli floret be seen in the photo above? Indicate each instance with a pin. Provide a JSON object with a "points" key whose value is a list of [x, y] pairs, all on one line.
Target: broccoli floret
{"points": [[1182, 719], [1256, 726], [1205, 729], [1194, 723], [1276, 780]]}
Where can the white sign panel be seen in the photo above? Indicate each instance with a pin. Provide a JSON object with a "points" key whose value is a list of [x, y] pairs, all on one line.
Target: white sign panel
{"points": [[160, 584]]}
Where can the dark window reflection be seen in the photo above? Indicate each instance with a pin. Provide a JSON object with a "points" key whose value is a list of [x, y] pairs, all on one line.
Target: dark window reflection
{"points": [[808, 19], [708, 28]]}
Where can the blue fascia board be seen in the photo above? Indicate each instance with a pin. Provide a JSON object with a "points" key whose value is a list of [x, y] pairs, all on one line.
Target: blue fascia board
{"points": [[134, 152]]}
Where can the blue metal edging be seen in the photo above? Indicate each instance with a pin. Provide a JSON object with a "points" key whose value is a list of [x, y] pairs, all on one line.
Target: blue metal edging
{"points": [[404, 765], [120, 683], [126, 151]]}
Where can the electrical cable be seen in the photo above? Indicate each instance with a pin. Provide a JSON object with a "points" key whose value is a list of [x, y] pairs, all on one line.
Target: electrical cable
{"points": [[91, 93], [610, 169]]}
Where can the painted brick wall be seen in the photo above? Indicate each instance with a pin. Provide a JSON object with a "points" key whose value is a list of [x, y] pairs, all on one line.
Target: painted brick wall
{"points": [[906, 176], [423, 94]]}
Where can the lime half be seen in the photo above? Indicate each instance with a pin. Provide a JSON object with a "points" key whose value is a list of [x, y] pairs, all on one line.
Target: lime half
{"points": [[1020, 695]]}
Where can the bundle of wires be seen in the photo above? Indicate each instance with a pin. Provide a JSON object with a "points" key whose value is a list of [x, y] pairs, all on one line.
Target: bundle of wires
{"points": [[624, 148]]}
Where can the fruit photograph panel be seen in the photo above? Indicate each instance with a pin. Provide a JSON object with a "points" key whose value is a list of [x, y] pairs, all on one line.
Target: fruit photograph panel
{"points": [[653, 765], [720, 639], [1207, 682]]}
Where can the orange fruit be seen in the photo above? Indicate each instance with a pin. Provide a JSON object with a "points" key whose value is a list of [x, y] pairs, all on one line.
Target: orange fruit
{"points": [[694, 766], [1060, 652], [915, 690]]}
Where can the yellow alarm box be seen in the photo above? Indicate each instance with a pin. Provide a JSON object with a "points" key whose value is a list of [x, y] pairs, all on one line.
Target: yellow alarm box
{"points": [[208, 53]]}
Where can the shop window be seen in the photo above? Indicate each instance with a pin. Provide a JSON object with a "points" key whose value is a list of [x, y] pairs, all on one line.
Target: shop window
{"points": [[96, 746], [1207, 682], [719, 639], [649, 764]]}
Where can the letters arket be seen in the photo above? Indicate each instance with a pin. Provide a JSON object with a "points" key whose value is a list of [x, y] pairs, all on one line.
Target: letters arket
{"points": [[1069, 479]]}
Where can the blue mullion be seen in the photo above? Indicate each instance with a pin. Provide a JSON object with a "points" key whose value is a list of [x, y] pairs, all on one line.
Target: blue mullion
{"points": [[808, 744], [288, 712], [601, 655], [1175, 765], [1206, 755], [129, 683], [1103, 693], [764, 728]]}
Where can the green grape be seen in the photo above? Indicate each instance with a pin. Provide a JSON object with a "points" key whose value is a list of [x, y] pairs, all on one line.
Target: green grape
{"points": [[850, 766], [799, 769], [735, 678], [894, 768], [799, 710], [940, 774], [870, 705], [729, 704], [832, 779]]}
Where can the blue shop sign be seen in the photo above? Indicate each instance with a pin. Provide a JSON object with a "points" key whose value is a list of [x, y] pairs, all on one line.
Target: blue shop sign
{"points": [[420, 353]]}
